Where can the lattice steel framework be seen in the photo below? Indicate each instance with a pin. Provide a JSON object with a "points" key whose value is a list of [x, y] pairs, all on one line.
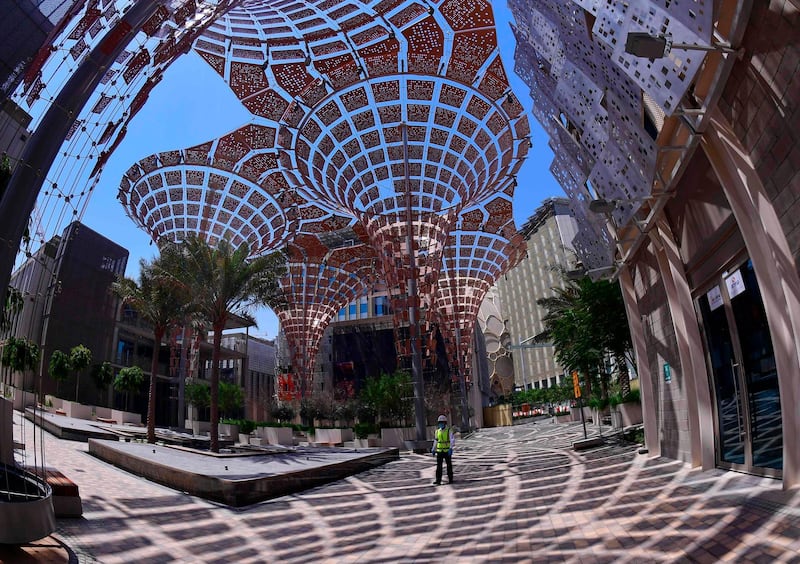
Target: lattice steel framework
{"points": [[590, 96], [484, 245], [390, 116], [318, 283], [100, 126]]}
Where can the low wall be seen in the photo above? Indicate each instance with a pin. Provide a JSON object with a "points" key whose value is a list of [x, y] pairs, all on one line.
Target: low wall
{"points": [[242, 490]]}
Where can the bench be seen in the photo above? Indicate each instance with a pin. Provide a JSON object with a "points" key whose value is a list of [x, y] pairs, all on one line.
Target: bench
{"points": [[106, 420], [66, 498]]}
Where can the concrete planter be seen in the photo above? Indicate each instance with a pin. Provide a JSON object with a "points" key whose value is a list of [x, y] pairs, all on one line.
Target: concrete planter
{"points": [[244, 439], [367, 443], [228, 430], [122, 417], [333, 436], [104, 412], [77, 410], [275, 435], [197, 427], [616, 418], [631, 413], [395, 437], [563, 418], [53, 401], [29, 516], [23, 399]]}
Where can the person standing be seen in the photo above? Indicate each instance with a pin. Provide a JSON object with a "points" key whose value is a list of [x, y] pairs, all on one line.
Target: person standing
{"points": [[443, 441]]}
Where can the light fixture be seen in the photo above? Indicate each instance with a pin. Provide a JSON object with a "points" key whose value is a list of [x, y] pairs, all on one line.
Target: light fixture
{"points": [[608, 205], [582, 272], [643, 44]]}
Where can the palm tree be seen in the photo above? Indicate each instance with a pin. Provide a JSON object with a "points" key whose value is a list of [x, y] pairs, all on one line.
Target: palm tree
{"points": [[161, 303], [584, 320], [222, 281]]}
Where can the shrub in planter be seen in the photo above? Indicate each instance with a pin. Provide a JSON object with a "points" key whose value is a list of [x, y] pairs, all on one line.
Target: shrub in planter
{"points": [[363, 430]]}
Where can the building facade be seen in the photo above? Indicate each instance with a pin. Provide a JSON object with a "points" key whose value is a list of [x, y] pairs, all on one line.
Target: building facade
{"points": [[255, 372], [68, 301], [549, 233]]}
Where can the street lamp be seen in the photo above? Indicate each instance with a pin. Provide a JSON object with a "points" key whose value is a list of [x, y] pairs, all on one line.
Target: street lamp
{"points": [[581, 272], [608, 205], [643, 44]]}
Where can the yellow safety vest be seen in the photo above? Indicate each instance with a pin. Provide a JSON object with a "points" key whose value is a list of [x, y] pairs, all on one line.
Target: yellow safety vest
{"points": [[442, 440]]}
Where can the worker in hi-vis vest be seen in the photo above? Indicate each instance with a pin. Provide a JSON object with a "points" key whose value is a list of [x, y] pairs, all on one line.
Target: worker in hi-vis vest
{"points": [[443, 441]]}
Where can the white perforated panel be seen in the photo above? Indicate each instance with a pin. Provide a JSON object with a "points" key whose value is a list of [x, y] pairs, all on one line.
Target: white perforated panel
{"points": [[666, 79]]}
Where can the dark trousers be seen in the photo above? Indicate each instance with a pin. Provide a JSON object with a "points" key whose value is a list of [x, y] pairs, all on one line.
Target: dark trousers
{"points": [[449, 459]]}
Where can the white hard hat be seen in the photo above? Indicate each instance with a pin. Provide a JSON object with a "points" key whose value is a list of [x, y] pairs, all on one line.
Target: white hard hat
{"points": [[442, 419]]}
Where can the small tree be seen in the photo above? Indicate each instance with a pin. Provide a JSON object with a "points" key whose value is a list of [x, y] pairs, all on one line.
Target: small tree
{"points": [[129, 380], [21, 355], [282, 412], [231, 398], [198, 394], [80, 357], [102, 375], [59, 368]]}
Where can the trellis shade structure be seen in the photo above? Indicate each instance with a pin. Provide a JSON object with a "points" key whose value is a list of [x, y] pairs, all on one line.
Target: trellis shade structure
{"points": [[395, 115], [483, 246], [319, 281]]}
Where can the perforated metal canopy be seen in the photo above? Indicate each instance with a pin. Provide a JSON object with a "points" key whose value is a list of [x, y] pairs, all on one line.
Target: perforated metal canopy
{"points": [[389, 118]]}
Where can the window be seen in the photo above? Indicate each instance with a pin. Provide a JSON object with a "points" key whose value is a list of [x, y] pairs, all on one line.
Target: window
{"points": [[352, 310], [363, 308]]}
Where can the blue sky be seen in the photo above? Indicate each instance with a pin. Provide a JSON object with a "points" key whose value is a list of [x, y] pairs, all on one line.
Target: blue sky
{"points": [[192, 105]]}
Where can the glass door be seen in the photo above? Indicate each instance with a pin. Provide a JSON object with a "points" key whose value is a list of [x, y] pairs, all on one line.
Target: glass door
{"points": [[744, 377]]}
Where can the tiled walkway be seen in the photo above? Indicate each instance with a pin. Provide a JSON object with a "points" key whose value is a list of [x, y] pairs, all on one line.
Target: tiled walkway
{"points": [[521, 495]]}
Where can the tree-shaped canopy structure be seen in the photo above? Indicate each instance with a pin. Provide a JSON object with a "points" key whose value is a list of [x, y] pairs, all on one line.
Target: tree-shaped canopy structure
{"points": [[390, 118]]}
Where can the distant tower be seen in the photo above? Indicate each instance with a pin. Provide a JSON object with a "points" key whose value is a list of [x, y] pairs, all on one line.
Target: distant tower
{"points": [[548, 233]]}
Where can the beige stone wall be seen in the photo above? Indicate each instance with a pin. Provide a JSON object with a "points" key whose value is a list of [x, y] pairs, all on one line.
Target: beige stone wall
{"points": [[762, 102], [672, 416]]}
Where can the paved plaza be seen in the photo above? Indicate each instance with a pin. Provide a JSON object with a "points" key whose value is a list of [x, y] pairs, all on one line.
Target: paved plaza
{"points": [[521, 495]]}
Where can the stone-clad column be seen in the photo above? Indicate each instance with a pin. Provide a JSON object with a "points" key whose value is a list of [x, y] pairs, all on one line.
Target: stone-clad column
{"points": [[690, 346], [646, 383]]}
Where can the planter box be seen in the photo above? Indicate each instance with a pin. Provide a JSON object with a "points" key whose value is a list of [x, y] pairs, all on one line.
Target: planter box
{"points": [[333, 436], [275, 435], [575, 415], [104, 412], [367, 443], [631, 413], [244, 439], [616, 419], [122, 417], [23, 399], [228, 430], [198, 427], [395, 437], [563, 418], [55, 403], [77, 410]]}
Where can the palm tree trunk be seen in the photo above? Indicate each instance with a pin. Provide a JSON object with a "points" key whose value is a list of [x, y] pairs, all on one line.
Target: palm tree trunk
{"points": [[151, 397], [215, 387], [624, 376]]}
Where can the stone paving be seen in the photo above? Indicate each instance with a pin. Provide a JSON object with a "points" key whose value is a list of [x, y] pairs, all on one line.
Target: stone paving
{"points": [[521, 495]]}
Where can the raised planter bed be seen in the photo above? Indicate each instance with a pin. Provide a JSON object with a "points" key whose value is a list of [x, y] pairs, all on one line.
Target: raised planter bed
{"points": [[332, 436], [275, 435]]}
